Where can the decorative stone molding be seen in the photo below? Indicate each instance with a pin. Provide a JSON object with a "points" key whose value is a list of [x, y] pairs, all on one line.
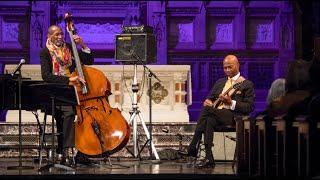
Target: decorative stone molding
{"points": [[96, 3], [14, 32], [100, 19], [223, 11], [261, 32], [158, 92], [183, 22], [106, 33], [221, 33], [158, 27], [185, 11], [262, 11], [9, 9], [222, 23], [94, 9], [10, 31]]}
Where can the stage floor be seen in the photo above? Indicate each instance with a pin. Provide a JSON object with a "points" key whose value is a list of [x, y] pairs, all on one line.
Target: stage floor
{"points": [[126, 168]]}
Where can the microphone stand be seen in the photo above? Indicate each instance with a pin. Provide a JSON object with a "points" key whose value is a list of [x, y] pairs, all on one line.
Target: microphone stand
{"points": [[19, 167], [150, 103], [150, 75]]}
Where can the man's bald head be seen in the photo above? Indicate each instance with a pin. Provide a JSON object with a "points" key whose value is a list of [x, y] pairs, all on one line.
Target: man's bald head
{"points": [[231, 59], [55, 35], [231, 65], [52, 29]]}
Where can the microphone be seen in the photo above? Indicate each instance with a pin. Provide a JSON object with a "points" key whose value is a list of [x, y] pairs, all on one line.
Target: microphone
{"points": [[22, 61]]}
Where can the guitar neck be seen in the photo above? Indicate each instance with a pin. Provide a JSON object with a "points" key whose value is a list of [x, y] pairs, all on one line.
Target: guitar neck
{"points": [[227, 91]]}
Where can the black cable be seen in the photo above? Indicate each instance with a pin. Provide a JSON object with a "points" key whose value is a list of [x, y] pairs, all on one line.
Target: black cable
{"points": [[125, 84]]}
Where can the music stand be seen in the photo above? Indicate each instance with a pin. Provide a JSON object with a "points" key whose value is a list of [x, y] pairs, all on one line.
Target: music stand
{"points": [[20, 167], [52, 95]]}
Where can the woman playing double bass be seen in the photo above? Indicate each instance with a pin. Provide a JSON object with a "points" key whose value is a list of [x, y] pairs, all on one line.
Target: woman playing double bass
{"points": [[57, 64]]}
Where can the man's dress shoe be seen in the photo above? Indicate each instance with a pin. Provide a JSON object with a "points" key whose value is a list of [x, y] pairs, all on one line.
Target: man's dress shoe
{"points": [[206, 164], [189, 154]]}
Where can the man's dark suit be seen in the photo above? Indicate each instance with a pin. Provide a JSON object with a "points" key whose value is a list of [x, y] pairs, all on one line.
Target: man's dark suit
{"points": [[210, 117]]}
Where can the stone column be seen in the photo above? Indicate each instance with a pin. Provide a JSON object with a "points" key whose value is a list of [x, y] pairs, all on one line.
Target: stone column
{"points": [[240, 20], [156, 17], [40, 21], [200, 33], [287, 35]]}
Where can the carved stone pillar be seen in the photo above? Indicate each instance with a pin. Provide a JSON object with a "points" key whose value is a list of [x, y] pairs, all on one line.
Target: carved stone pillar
{"points": [[286, 40], [200, 34], [240, 18], [133, 14], [39, 23], [156, 17]]}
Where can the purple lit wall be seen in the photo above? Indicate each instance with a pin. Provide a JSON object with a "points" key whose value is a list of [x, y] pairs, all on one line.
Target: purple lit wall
{"points": [[199, 33]]}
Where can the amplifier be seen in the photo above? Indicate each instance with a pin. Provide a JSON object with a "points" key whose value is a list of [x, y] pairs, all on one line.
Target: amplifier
{"points": [[135, 47]]}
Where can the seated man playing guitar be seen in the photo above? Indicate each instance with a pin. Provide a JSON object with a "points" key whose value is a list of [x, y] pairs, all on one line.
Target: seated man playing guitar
{"points": [[229, 96]]}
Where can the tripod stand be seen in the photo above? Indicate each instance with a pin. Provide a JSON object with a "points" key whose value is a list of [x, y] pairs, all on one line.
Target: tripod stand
{"points": [[19, 167], [136, 112]]}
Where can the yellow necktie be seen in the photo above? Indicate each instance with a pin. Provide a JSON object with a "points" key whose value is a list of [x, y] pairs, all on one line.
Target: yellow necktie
{"points": [[225, 88]]}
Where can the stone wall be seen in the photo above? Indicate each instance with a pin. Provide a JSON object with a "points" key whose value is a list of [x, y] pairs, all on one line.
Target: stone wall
{"points": [[196, 33]]}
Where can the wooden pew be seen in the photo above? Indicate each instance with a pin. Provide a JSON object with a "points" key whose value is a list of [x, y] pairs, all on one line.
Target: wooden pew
{"points": [[303, 145], [280, 144], [308, 134], [265, 146], [245, 145]]}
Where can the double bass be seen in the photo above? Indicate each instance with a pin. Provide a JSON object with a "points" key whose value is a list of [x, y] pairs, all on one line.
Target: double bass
{"points": [[99, 129]]}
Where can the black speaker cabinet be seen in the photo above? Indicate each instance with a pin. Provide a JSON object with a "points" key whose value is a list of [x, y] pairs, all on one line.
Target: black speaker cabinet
{"points": [[135, 47]]}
